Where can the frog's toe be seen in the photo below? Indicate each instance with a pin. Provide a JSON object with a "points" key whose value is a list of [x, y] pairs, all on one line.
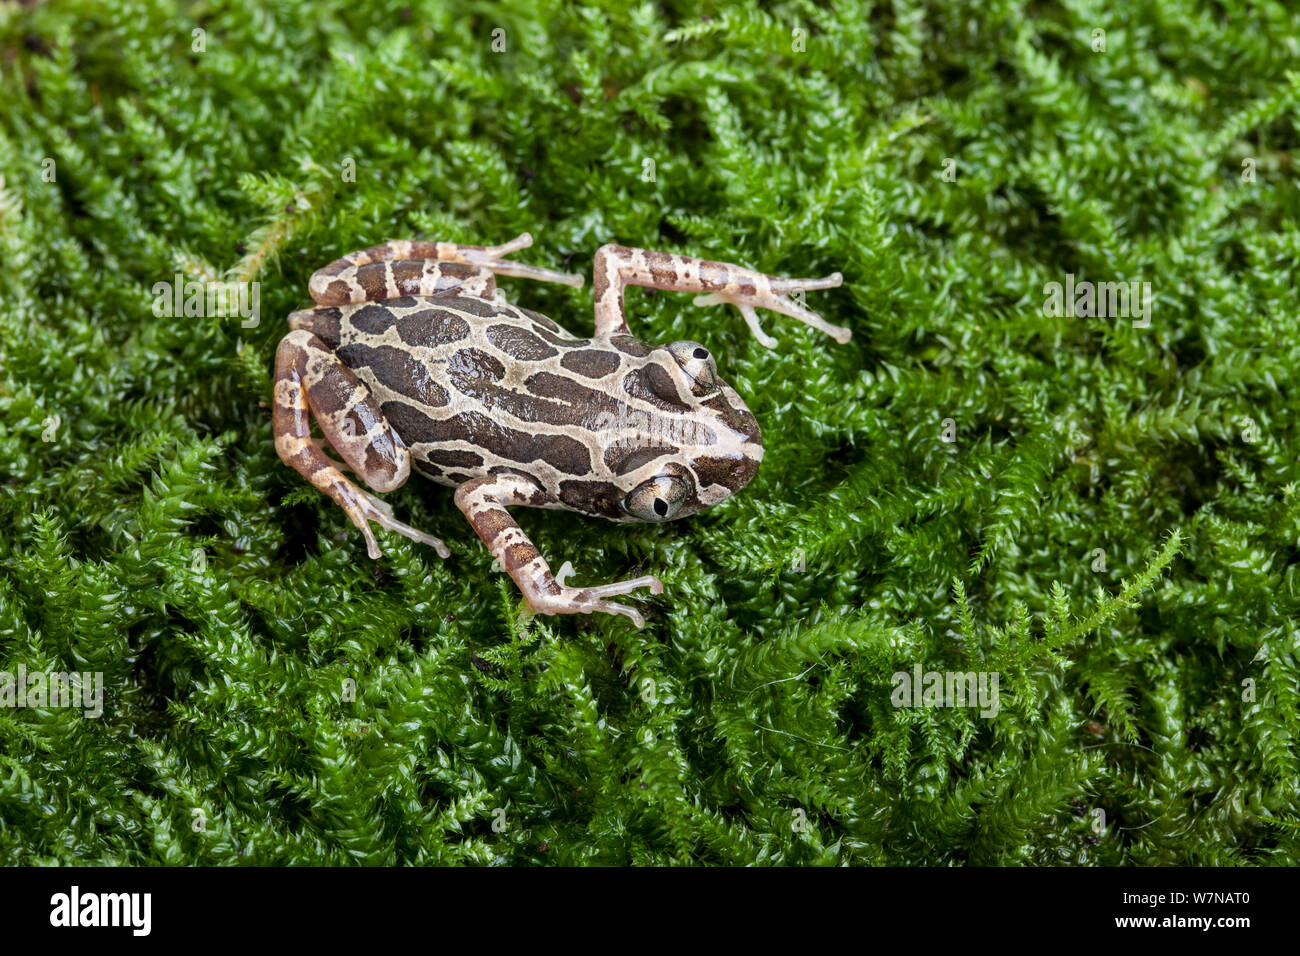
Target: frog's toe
{"points": [[493, 259], [372, 546], [625, 587], [591, 600], [381, 513], [832, 281], [631, 613], [421, 537], [521, 241]]}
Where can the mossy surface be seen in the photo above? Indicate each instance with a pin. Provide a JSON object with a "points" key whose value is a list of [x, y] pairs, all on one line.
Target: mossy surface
{"points": [[1113, 528]]}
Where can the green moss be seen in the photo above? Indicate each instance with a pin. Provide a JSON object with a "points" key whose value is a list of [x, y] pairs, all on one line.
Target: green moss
{"points": [[148, 530]]}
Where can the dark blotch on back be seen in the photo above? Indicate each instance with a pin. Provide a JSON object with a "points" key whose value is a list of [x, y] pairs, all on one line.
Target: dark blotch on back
{"points": [[564, 453], [593, 363], [467, 366], [540, 319], [577, 402], [431, 328], [395, 369], [372, 319], [475, 305], [424, 468], [454, 457], [519, 343]]}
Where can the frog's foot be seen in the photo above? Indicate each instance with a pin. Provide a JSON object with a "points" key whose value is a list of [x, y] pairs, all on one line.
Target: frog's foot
{"points": [[484, 502], [619, 266], [773, 293], [369, 508], [558, 598], [493, 259]]}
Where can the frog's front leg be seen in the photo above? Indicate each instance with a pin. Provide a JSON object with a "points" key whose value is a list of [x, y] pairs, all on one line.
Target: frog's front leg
{"points": [[310, 380], [617, 267], [484, 502], [417, 267]]}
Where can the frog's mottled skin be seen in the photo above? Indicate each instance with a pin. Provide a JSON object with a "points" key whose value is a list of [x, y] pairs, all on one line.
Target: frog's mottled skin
{"points": [[411, 358]]}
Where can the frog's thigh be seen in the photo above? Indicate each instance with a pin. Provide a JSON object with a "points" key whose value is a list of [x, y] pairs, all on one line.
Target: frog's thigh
{"points": [[392, 278], [414, 267], [484, 502], [348, 415], [310, 380]]}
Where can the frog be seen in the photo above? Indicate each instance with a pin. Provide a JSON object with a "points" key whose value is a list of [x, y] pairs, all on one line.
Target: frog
{"points": [[412, 359]]}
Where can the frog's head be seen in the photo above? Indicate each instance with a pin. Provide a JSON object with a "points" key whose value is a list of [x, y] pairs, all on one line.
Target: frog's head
{"points": [[715, 438]]}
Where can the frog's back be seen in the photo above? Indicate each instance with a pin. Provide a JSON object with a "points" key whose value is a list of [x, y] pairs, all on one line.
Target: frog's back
{"points": [[475, 387]]}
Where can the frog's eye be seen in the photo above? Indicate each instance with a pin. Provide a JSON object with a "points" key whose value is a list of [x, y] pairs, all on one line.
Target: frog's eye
{"points": [[698, 365], [657, 499]]}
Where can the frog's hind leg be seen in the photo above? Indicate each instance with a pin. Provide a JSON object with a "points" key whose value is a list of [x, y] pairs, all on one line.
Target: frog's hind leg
{"points": [[311, 381], [484, 502], [393, 278], [415, 267], [617, 267]]}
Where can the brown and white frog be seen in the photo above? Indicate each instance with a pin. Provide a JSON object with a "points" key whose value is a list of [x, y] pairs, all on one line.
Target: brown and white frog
{"points": [[412, 358]]}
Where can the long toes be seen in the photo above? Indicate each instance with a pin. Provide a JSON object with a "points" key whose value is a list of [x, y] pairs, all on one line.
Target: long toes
{"points": [[812, 319], [624, 587], [571, 600], [419, 536], [521, 241], [562, 575], [379, 505], [837, 332], [372, 546], [751, 319], [520, 270], [381, 513], [609, 607], [832, 281]]}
